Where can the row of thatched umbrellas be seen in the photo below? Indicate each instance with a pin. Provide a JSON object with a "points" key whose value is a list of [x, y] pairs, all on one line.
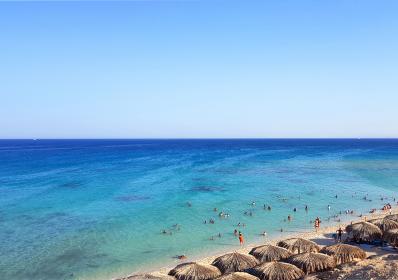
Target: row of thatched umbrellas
{"points": [[384, 229], [291, 258]]}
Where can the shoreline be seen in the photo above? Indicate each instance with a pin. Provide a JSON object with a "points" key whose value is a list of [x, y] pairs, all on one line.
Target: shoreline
{"points": [[320, 237]]}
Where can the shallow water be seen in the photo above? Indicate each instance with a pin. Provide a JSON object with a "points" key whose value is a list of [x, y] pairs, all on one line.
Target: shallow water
{"points": [[85, 209]]}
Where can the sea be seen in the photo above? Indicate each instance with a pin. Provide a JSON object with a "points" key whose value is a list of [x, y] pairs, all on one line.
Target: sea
{"points": [[100, 209]]}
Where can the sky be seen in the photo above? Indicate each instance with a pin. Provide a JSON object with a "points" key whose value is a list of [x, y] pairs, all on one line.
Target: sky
{"points": [[199, 69]]}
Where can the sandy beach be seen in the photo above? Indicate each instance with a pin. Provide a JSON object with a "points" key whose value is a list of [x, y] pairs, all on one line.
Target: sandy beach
{"points": [[381, 262]]}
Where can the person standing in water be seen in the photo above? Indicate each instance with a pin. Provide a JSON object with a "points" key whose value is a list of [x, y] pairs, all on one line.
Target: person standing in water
{"points": [[241, 239], [317, 224]]}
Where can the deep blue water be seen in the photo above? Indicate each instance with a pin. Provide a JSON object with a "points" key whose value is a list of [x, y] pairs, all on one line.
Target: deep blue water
{"points": [[85, 209]]}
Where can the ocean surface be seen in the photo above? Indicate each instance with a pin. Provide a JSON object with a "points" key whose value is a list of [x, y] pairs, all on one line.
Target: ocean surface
{"points": [[96, 209]]}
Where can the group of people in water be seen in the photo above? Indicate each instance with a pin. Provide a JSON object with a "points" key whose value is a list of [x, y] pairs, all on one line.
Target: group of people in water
{"points": [[240, 237], [387, 207], [175, 227]]}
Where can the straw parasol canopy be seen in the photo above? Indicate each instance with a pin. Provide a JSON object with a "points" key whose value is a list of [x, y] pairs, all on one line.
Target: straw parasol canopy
{"points": [[384, 224], [344, 253], [277, 271], [364, 231], [312, 262], [235, 262], [391, 237], [237, 276], [299, 245], [195, 271], [393, 217], [147, 277], [268, 253]]}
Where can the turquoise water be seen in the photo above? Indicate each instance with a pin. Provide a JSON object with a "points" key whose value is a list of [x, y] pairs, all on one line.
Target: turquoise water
{"points": [[95, 209]]}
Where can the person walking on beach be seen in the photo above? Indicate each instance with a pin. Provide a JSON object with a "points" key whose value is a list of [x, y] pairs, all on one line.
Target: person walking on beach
{"points": [[241, 239], [339, 234]]}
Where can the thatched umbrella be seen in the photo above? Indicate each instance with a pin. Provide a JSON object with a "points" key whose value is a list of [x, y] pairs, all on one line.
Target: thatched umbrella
{"points": [[195, 271], [384, 224], [312, 262], [268, 253], [233, 262], [344, 253], [364, 231], [391, 237], [393, 217], [276, 271], [147, 277], [299, 245], [237, 276]]}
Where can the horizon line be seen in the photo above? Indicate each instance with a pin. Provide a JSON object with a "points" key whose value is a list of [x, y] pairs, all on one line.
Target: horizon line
{"points": [[214, 138]]}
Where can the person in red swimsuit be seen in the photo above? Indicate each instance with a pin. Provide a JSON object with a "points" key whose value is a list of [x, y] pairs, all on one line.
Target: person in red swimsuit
{"points": [[241, 239]]}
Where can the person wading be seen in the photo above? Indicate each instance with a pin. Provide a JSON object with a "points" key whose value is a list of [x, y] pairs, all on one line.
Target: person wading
{"points": [[241, 239], [317, 224]]}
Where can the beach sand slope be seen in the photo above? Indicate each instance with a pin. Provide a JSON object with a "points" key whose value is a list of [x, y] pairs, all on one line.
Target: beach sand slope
{"points": [[374, 268]]}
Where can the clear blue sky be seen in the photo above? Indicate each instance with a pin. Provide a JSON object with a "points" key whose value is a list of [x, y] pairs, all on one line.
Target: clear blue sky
{"points": [[199, 69]]}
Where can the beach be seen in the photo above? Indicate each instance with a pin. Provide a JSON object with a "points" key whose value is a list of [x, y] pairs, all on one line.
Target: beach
{"points": [[377, 257]]}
